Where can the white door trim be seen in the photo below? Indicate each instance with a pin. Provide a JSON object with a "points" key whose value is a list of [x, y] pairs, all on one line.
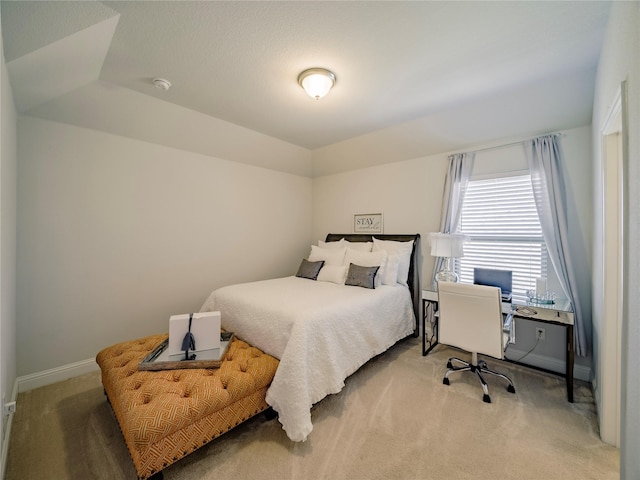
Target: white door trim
{"points": [[610, 340]]}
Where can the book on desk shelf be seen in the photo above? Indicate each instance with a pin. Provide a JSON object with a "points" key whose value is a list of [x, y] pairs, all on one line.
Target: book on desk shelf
{"points": [[161, 359]]}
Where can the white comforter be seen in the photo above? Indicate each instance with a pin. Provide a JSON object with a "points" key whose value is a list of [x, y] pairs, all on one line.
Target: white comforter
{"points": [[321, 332]]}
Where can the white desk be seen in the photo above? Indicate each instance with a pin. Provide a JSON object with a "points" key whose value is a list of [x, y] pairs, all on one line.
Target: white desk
{"points": [[558, 313]]}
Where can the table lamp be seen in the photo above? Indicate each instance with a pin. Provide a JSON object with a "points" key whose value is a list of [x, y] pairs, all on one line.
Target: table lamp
{"points": [[447, 246]]}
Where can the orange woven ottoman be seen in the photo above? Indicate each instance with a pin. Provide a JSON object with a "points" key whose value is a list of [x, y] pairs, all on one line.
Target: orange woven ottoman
{"points": [[165, 415]]}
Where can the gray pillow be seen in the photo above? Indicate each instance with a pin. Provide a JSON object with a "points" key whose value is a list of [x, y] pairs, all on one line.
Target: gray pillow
{"points": [[309, 269], [362, 276]]}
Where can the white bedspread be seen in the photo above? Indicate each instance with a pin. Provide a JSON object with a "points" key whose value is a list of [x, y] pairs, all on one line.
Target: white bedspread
{"points": [[321, 332]]}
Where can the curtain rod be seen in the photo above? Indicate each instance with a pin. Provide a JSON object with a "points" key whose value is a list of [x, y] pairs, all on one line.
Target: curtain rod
{"points": [[511, 144]]}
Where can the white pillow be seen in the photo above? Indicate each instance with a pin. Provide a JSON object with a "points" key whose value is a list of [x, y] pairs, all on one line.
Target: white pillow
{"points": [[367, 259], [330, 256], [390, 274], [332, 273], [332, 245], [363, 246], [403, 249]]}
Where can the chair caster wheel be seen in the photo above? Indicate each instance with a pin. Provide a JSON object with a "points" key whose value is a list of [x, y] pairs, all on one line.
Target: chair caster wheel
{"points": [[511, 389], [486, 398], [445, 381]]}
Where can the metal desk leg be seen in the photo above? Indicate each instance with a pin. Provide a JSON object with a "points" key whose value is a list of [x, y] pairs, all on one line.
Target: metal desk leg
{"points": [[424, 327], [433, 340], [570, 360]]}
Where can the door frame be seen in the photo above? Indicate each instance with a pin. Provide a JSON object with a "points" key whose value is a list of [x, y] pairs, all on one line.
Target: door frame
{"points": [[613, 154]]}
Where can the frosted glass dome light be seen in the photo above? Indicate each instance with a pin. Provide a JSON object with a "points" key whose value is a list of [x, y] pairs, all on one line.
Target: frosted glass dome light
{"points": [[317, 82]]}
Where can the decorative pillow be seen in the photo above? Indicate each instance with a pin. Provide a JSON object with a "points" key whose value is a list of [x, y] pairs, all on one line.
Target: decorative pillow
{"points": [[309, 269], [367, 259], [331, 245], [333, 273], [330, 256], [403, 249], [363, 246], [361, 276]]}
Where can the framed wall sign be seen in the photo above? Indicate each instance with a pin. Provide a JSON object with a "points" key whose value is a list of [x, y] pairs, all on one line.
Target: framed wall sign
{"points": [[367, 223]]}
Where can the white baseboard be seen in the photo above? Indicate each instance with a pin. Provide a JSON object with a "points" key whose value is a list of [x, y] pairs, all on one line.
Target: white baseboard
{"points": [[580, 372], [53, 375], [7, 432], [40, 379]]}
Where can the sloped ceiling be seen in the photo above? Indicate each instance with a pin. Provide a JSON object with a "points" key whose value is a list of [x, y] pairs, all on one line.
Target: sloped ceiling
{"points": [[413, 78]]}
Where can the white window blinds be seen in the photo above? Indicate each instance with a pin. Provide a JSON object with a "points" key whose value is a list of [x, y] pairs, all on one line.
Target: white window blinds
{"points": [[499, 216]]}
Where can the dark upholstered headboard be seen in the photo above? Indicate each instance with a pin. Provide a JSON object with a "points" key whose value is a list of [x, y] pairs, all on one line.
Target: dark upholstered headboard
{"points": [[414, 268]]}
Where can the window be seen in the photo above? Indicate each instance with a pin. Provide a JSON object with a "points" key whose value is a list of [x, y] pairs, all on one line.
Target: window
{"points": [[499, 216]]}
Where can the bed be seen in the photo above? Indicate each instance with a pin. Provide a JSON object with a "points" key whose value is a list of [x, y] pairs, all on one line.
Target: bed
{"points": [[322, 330]]}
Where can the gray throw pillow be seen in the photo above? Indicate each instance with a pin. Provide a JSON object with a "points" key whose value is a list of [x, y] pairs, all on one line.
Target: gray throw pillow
{"points": [[361, 276], [309, 269]]}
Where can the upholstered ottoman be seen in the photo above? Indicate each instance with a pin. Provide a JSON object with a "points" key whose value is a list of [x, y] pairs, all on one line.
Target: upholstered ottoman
{"points": [[165, 415]]}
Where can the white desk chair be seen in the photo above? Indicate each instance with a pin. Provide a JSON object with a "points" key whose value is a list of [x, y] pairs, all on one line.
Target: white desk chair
{"points": [[471, 319]]}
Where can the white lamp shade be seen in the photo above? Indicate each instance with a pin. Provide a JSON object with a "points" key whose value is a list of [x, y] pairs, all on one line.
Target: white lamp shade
{"points": [[447, 245], [317, 82]]}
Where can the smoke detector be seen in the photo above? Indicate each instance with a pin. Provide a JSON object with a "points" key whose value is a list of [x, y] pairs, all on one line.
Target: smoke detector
{"points": [[162, 83]]}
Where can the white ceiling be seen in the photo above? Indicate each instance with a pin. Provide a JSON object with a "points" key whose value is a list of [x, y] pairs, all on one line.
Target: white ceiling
{"points": [[397, 63]]}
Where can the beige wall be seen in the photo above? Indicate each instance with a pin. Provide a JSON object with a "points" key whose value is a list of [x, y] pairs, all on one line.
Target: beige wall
{"points": [[619, 62], [124, 231], [8, 167], [408, 194], [115, 235]]}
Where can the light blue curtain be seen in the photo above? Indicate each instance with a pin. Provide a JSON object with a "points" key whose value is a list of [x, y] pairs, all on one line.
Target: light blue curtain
{"points": [[545, 164], [460, 168]]}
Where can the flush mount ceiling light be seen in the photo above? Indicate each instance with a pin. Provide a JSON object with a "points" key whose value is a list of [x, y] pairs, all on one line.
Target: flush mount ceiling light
{"points": [[317, 82], [162, 83]]}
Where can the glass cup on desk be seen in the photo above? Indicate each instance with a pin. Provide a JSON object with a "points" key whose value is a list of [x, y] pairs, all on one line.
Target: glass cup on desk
{"points": [[547, 298]]}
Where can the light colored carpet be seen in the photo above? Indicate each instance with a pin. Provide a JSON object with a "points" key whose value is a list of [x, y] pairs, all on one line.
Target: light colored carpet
{"points": [[393, 420]]}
